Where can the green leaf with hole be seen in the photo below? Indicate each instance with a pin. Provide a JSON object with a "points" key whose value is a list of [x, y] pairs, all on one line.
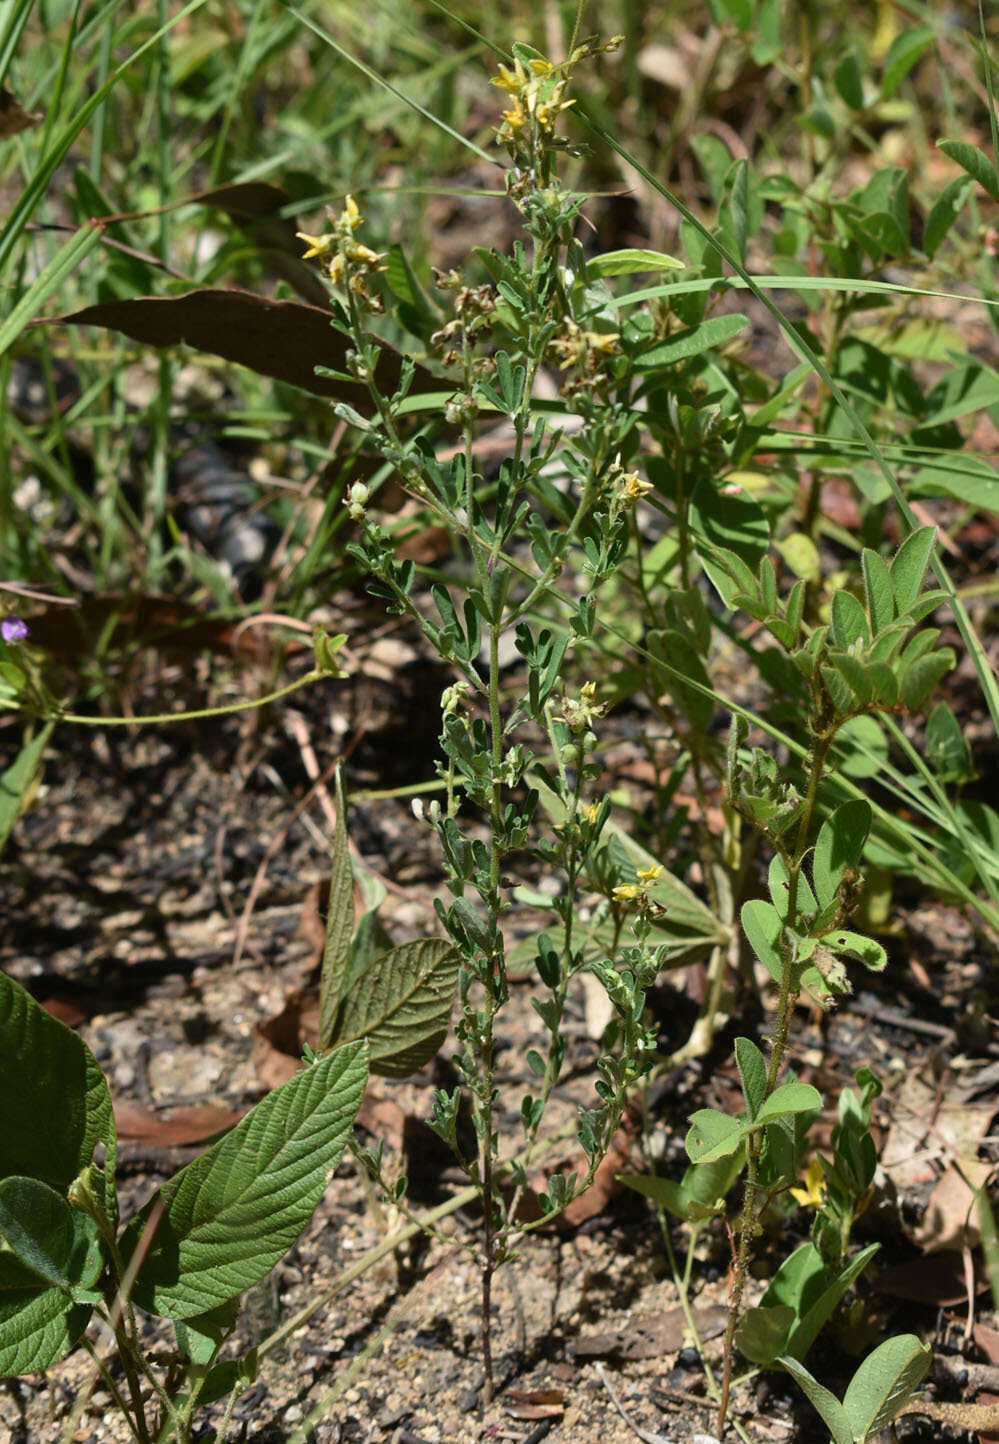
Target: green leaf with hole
{"points": [[713, 1135], [855, 945], [225, 1220]]}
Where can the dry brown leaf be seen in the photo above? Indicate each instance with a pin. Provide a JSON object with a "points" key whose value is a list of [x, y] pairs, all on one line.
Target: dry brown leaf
{"points": [[283, 339], [935, 1279], [651, 1337], [194, 1123], [950, 1220], [534, 1403], [13, 116]]}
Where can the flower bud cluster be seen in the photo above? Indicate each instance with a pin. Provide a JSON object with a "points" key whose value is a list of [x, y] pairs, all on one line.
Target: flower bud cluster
{"points": [[346, 262]]}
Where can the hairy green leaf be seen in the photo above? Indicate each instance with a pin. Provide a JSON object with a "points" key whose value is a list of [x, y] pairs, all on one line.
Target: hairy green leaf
{"points": [[884, 1383], [761, 922], [56, 1105], [224, 1221], [975, 162], [839, 845], [753, 1073], [713, 1135], [789, 1098], [401, 1005], [908, 567], [834, 1416], [38, 1324], [57, 1242], [339, 924]]}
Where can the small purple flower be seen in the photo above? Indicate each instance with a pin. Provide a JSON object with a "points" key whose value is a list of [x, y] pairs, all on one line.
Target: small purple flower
{"points": [[13, 629]]}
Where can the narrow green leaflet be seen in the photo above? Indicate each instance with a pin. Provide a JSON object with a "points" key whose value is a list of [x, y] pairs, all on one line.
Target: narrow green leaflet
{"points": [[839, 846], [908, 568], [877, 590], [38, 1324], [752, 1072], [692, 342], [228, 1217], [789, 1098], [631, 260], [56, 1104], [806, 1330], [339, 924], [16, 781], [401, 1004], [834, 1416], [762, 925], [55, 1241], [884, 1383], [975, 162]]}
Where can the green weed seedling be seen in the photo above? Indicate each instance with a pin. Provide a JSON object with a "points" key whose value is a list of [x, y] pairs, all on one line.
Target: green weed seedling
{"points": [[880, 1389], [871, 656], [205, 1236]]}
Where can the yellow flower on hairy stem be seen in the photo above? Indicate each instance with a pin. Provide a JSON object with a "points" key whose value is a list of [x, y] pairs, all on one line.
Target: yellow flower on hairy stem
{"points": [[318, 245], [814, 1191], [514, 117], [591, 813], [512, 81], [632, 488], [604, 343], [627, 892], [648, 875]]}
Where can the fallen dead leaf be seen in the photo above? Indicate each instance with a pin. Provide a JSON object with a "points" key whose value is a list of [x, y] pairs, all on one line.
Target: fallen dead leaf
{"points": [[936, 1280], [534, 1403], [195, 1123], [652, 1336], [283, 339], [13, 116]]}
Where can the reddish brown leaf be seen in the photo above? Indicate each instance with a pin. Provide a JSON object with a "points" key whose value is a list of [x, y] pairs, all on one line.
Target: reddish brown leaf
{"points": [[277, 1047], [283, 339], [935, 1279], [69, 632], [534, 1403], [13, 117], [193, 1124]]}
